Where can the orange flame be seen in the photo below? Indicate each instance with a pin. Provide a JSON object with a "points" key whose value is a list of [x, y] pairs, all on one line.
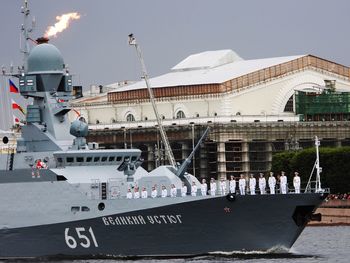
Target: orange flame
{"points": [[62, 23]]}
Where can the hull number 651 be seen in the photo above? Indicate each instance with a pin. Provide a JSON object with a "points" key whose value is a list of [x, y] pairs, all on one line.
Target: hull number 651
{"points": [[84, 238]]}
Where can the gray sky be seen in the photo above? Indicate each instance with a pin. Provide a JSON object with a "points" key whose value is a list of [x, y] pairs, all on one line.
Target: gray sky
{"points": [[96, 50]]}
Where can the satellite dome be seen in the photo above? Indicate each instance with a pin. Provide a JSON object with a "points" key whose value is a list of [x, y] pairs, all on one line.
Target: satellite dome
{"points": [[45, 58]]}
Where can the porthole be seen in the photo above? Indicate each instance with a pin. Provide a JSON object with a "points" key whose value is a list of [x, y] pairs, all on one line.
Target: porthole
{"points": [[101, 206]]}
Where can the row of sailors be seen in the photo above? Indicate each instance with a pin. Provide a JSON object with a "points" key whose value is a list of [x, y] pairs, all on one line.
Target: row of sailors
{"points": [[232, 187], [271, 183]]}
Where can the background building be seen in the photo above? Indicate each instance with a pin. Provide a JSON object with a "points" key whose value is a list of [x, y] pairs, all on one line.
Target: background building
{"points": [[254, 108]]}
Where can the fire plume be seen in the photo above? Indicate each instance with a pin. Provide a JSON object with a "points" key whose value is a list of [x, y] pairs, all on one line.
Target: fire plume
{"points": [[61, 24]]}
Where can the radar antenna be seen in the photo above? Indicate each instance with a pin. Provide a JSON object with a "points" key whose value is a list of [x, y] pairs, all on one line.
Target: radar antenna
{"points": [[169, 153]]}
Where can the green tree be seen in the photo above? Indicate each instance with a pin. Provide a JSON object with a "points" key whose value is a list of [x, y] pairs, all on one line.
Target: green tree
{"points": [[335, 163]]}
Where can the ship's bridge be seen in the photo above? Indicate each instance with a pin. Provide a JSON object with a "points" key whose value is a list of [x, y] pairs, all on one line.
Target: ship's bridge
{"points": [[96, 157]]}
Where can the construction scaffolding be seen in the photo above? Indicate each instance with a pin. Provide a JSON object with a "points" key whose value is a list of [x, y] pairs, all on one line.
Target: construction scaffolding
{"points": [[325, 106], [231, 148]]}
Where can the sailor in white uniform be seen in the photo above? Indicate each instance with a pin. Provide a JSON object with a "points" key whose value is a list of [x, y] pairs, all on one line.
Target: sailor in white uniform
{"points": [[136, 193], [129, 194], [272, 183], [194, 189], [242, 185], [212, 187], [154, 192], [204, 187], [283, 182], [183, 190], [144, 193], [223, 186], [252, 184], [173, 191], [232, 185], [164, 191], [296, 182], [262, 184]]}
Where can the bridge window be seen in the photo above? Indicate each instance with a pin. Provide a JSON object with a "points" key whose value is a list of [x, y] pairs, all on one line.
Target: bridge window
{"points": [[96, 159], [89, 159], [70, 159], [111, 159], [104, 158], [80, 159], [119, 158]]}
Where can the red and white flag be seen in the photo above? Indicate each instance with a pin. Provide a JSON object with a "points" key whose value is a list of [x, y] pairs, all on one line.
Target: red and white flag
{"points": [[15, 105], [16, 120]]}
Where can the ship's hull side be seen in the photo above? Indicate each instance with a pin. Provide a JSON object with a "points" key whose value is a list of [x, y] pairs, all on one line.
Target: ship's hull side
{"points": [[251, 223]]}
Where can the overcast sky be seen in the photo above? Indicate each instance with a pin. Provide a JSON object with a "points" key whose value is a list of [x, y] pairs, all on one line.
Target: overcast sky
{"points": [[96, 50]]}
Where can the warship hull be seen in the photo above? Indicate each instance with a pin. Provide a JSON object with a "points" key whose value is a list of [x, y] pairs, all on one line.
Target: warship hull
{"points": [[201, 226]]}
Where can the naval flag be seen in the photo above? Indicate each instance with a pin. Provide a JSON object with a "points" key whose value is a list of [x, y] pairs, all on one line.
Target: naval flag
{"points": [[15, 120], [15, 105], [13, 87]]}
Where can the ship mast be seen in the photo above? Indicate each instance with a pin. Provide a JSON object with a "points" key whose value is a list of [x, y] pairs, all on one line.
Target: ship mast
{"points": [[169, 153], [25, 32], [318, 168], [318, 188]]}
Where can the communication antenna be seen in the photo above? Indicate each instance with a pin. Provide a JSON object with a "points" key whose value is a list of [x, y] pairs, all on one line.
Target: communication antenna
{"points": [[169, 153], [25, 32]]}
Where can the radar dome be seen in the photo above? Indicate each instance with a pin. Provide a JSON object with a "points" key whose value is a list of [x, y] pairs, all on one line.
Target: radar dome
{"points": [[45, 58], [79, 129]]}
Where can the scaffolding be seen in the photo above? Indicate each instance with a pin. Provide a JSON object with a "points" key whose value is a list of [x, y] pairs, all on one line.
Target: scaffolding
{"points": [[326, 106], [231, 148]]}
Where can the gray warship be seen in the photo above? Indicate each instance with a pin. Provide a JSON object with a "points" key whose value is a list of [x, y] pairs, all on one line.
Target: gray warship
{"points": [[63, 197]]}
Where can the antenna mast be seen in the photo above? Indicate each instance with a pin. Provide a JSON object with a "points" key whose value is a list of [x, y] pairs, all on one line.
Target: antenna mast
{"points": [[25, 32], [318, 168], [318, 188], [132, 42]]}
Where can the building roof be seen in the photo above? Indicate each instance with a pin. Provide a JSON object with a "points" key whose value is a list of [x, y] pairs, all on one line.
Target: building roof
{"points": [[216, 72], [209, 68], [208, 59]]}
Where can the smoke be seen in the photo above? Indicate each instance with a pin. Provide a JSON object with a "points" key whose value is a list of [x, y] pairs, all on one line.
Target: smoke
{"points": [[62, 23]]}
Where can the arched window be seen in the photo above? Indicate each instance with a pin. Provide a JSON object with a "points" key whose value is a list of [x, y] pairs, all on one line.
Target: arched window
{"points": [[289, 104], [180, 115], [130, 117]]}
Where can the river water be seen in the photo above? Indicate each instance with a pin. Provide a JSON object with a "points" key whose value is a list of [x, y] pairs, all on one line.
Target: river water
{"points": [[316, 244]]}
